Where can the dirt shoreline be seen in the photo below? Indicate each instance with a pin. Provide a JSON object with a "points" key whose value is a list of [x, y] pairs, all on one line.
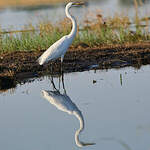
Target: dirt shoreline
{"points": [[16, 67]]}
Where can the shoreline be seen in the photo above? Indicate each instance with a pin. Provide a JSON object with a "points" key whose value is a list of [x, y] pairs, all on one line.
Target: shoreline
{"points": [[29, 3], [19, 66]]}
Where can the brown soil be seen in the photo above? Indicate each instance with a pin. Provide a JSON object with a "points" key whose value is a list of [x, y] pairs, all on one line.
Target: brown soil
{"points": [[21, 65]]}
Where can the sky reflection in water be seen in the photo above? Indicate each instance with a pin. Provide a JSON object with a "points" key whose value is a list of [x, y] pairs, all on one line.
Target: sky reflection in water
{"points": [[116, 116]]}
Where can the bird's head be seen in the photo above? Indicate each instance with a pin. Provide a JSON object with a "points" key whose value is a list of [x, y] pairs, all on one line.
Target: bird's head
{"points": [[78, 3], [70, 4]]}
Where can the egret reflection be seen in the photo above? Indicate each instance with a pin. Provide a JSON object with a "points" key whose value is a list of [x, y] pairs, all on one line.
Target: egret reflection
{"points": [[65, 104]]}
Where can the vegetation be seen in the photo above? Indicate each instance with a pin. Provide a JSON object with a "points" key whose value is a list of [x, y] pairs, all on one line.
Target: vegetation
{"points": [[113, 30], [18, 3], [116, 30]]}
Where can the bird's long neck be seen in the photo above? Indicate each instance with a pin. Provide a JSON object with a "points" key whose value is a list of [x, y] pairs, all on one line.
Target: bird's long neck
{"points": [[81, 121], [74, 23], [79, 143]]}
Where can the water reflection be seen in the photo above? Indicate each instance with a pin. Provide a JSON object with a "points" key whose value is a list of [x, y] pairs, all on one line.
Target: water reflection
{"points": [[63, 102]]}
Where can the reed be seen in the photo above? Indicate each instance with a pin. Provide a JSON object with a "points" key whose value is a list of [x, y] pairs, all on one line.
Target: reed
{"points": [[114, 30]]}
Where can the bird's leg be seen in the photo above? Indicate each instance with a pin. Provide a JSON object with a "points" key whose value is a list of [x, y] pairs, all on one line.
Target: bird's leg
{"points": [[62, 57], [54, 87], [63, 83], [51, 78], [51, 69], [61, 70], [53, 84], [59, 81], [62, 73]]}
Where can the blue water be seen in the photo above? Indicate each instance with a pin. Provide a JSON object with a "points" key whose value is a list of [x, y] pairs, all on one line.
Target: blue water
{"points": [[115, 110]]}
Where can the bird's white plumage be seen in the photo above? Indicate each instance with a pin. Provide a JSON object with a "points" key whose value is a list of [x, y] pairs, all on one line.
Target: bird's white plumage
{"points": [[60, 101], [59, 48], [55, 51], [65, 104]]}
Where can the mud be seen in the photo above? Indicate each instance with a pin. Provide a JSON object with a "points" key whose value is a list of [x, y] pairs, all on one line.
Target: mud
{"points": [[17, 67]]}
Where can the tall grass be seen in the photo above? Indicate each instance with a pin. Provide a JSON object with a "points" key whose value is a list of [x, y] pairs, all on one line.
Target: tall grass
{"points": [[114, 30]]}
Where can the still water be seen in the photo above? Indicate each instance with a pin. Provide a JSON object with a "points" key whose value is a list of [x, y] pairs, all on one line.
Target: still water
{"points": [[19, 17], [111, 107]]}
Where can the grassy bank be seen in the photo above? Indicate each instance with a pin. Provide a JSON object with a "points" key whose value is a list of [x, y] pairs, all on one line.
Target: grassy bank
{"points": [[113, 42], [114, 30], [20, 67]]}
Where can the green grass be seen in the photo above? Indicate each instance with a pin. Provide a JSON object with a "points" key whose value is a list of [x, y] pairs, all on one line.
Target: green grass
{"points": [[116, 30]]}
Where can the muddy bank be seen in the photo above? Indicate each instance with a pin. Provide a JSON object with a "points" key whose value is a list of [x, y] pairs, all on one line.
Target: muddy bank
{"points": [[16, 67]]}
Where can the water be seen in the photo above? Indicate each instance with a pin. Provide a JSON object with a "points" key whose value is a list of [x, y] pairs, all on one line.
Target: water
{"points": [[114, 105], [18, 18]]}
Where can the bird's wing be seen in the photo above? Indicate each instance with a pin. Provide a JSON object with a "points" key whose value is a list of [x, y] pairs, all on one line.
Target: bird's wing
{"points": [[60, 101], [54, 51]]}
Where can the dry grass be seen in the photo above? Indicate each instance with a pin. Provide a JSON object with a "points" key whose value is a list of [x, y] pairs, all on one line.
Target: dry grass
{"points": [[108, 31], [16, 3], [98, 32]]}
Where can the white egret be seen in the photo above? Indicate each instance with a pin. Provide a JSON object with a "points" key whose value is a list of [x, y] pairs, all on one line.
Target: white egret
{"points": [[64, 103], [59, 48]]}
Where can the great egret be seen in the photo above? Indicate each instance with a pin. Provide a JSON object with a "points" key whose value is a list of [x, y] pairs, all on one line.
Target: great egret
{"points": [[59, 48], [65, 104]]}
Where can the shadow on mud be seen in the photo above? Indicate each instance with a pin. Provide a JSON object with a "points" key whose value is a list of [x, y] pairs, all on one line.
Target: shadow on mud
{"points": [[7, 83]]}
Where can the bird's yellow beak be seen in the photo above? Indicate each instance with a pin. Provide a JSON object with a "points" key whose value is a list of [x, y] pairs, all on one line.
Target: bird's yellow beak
{"points": [[78, 3]]}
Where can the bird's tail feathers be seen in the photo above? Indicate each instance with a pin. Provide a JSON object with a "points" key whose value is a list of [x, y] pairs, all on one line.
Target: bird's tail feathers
{"points": [[40, 61]]}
